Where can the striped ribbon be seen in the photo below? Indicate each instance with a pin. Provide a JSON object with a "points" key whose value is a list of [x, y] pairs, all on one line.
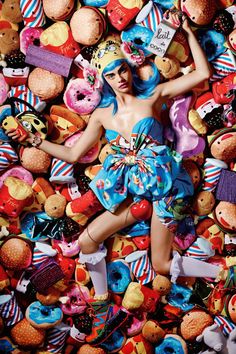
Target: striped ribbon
{"points": [[8, 156], [225, 324], [32, 13], [61, 171], [25, 94], [11, 312], [153, 18]]}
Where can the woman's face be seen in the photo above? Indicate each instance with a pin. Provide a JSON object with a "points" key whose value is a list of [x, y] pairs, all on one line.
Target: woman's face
{"points": [[120, 79]]}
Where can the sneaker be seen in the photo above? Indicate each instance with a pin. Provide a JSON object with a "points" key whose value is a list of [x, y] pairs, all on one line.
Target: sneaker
{"points": [[102, 311]]}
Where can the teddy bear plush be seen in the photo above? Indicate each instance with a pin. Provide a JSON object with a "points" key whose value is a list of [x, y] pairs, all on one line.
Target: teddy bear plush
{"points": [[213, 337]]}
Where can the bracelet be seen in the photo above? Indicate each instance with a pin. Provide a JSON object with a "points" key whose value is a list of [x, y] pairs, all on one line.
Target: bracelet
{"points": [[37, 141]]}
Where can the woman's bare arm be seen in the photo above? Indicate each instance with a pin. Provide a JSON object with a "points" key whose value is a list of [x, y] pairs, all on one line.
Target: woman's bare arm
{"points": [[185, 83], [90, 136]]}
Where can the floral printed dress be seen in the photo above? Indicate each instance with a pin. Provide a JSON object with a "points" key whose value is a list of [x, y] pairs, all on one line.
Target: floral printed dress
{"points": [[146, 169]]}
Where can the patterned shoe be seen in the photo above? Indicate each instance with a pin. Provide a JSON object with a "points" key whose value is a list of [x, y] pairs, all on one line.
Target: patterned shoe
{"points": [[102, 312], [118, 318]]}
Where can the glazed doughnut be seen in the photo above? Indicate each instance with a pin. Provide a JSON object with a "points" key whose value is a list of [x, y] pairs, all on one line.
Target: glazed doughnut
{"points": [[29, 35], [41, 316], [138, 321], [75, 299], [140, 36], [171, 343], [118, 276], [80, 98]]}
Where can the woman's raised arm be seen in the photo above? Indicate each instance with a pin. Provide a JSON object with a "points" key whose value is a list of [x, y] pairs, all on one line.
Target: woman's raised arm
{"points": [[186, 82], [90, 136]]}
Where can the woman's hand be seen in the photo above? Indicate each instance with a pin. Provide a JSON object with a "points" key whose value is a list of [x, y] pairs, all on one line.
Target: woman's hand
{"points": [[178, 19], [15, 135]]}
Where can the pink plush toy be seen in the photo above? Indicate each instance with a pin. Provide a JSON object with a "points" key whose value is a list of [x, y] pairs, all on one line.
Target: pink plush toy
{"points": [[3, 89], [29, 35]]}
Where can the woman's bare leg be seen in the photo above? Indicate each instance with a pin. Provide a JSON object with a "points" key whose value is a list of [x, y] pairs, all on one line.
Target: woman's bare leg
{"points": [[104, 226], [161, 246], [162, 261]]}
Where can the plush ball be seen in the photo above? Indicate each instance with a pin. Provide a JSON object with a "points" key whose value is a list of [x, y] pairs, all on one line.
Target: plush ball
{"points": [[45, 84], [9, 40], [87, 25], [193, 170], [200, 12], [152, 331], [168, 67], [25, 335], [35, 160], [193, 323], [15, 254], [58, 10], [55, 205], [11, 11], [204, 203], [88, 349], [161, 284]]}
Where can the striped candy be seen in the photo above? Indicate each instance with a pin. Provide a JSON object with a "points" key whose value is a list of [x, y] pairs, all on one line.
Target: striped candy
{"points": [[195, 251], [11, 312], [25, 94], [225, 324], [61, 172], [56, 338], [211, 175], [153, 18], [7, 156], [32, 13], [142, 269], [224, 65]]}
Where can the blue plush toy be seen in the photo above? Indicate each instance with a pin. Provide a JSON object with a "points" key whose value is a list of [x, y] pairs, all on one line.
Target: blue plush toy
{"points": [[212, 43], [96, 3], [139, 35]]}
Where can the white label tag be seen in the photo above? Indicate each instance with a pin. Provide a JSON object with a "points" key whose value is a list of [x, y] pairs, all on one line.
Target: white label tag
{"points": [[162, 38]]}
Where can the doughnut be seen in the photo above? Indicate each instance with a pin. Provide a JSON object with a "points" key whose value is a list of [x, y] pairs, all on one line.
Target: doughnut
{"points": [[80, 98], [41, 316], [179, 297], [172, 343], [212, 43], [29, 35], [118, 276], [140, 36], [138, 321], [68, 249], [74, 300]]}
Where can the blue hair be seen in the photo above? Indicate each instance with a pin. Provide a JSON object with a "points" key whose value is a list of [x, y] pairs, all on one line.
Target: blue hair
{"points": [[141, 88]]}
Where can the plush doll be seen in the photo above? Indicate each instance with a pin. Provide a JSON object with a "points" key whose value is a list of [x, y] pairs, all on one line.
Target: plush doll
{"points": [[16, 72], [119, 247], [194, 172], [209, 110], [224, 215], [121, 12], [34, 160], [59, 11], [16, 194], [161, 284], [45, 84], [55, 205], [58, 38], [137, 345], [152, 331], [193, 323], [65, 123], [9, 40], [199, 12], [87, 25], [11, 11], [220, 89], [213, 337], [169, 67], [231, 41], [203, 203], [140, 297], [222, 144]]}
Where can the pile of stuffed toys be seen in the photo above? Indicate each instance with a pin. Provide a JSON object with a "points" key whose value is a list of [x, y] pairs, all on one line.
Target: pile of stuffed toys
{"points": [[45, 292]]}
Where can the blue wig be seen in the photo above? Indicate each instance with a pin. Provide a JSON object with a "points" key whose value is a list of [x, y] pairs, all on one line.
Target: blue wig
{"points": [[142, 89]]}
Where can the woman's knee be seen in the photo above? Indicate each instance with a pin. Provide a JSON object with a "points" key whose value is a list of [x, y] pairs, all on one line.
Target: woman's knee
{"points": [[160, 266], [86, 244]]}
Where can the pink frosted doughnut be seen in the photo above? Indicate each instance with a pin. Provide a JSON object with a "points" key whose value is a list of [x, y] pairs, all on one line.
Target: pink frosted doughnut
{"points": [[137, 324], [80, 98], [19, 172], [29, 35], [68, 249], [91, 155], [74, 300]]}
